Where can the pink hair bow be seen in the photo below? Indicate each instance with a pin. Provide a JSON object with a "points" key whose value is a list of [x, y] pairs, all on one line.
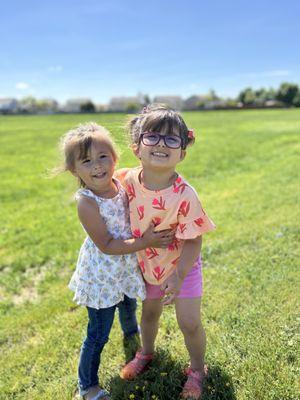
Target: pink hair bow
{"points": [[191, 134]]}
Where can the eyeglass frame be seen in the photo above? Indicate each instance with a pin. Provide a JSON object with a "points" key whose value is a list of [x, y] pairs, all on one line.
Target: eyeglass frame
{"points": [[159, 139]]}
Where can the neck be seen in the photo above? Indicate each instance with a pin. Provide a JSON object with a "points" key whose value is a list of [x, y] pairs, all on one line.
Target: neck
{"points": [[154, 180], [107, 192]]}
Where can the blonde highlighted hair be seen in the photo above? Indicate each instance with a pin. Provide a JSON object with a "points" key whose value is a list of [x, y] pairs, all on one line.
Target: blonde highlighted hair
{"points": [[76, 143]]}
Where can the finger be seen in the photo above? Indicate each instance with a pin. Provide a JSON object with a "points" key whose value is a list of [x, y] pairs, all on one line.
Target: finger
{"points": [[166, 231], [168, 290], [169, 299]]}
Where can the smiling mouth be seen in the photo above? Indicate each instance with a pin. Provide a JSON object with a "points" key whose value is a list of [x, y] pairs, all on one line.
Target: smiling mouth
{"points": [[159, 154], [99, 175]]}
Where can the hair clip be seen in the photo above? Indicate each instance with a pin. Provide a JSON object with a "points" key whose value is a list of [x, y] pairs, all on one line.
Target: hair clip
{"points": [[145, 109], [191, 134]]}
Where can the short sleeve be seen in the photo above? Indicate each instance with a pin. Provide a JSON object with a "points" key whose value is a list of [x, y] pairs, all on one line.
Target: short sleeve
{"points": [[193, 220]]}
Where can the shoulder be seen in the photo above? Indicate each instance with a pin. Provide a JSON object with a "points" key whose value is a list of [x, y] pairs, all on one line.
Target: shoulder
{"points": [[126, 174], [183, 188], [121, 174], [85, 204]]}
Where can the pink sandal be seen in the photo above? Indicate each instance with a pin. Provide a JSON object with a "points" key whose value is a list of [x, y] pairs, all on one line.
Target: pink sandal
{"points": [[192, 388], [137, 366]]}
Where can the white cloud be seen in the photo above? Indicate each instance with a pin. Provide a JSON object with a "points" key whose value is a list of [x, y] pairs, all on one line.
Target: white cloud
{"points": [[267, 74], [55, 68], [279, 72], [22, 86]]}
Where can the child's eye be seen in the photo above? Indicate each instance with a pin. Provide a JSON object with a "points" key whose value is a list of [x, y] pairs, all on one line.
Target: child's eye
{"points": [[103, 156], [87, 160]]}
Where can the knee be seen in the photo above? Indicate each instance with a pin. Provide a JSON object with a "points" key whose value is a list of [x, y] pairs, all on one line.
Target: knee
{"points": [[150, 316], [97, 340], [190, 327]]}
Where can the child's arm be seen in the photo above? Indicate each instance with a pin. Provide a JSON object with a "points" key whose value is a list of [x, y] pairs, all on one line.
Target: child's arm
{"points": [[190, 252], [95, 227]]}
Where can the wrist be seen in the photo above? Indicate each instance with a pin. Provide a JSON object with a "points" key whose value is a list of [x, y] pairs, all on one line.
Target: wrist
{"points": [[142, 243], [180, 274]]}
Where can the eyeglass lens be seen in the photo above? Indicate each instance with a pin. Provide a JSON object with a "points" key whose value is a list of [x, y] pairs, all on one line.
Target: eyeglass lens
{"points": [[152, 139]]}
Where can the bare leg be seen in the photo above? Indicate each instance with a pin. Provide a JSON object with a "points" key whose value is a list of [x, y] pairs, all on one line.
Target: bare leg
{"points": [[149, 326], [151, 312], [189, 321]]}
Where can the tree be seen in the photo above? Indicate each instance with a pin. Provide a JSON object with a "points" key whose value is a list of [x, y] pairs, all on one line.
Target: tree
{"points": [[247, 96], [28, 104], [146, 100], [296, 101], [132, 108], [88, 107], [287, 92], [212, 95]]}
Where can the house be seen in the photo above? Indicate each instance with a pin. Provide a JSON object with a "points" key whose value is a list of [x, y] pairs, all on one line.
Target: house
{"points": [[214, 104], [8, 106], [74, 105], [124, 104], [194, 102], [175, 102], [47, 106]]}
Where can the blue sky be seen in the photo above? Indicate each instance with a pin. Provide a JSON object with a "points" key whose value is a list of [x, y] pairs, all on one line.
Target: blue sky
{"points": [[100, 49]]}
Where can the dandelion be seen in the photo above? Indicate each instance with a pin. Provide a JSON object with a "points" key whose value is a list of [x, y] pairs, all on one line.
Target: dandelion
{"points": [[163, 374], [131, 396]]}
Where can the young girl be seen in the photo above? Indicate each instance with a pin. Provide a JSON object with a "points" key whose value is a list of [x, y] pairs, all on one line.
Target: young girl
{"points": [[107, 274], [159, 194]]}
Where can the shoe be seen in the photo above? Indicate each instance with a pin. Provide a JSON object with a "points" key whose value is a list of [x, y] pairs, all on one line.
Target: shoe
{"points": [[102, 394], [193, 387], [137, 366]]}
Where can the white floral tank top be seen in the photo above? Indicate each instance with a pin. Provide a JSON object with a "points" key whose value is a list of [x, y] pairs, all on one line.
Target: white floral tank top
{"points": [[101, 280]]}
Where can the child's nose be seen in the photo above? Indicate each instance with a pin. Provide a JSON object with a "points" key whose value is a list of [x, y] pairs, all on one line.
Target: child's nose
{"points": [[161, 141], [98, 163]]}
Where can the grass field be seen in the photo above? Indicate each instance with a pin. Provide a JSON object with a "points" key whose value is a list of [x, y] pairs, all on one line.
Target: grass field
{"points": [[244, 166]]}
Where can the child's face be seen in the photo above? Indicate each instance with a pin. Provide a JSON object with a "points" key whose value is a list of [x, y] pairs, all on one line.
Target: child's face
{"points": [[160, 156], [97, 169]]}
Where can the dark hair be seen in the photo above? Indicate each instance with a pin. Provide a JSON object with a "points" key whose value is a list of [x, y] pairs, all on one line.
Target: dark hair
{"points": [[157, 118]]}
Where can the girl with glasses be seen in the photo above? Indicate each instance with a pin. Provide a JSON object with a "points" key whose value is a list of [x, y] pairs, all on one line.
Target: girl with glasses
{"points": [[159, 194]]}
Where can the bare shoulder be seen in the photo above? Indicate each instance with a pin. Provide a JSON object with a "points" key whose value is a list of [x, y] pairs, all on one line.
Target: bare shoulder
{"points": [[86, 205]]}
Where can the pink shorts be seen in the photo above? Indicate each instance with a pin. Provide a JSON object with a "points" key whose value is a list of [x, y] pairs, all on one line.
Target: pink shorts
{"points": [[191, 286]]}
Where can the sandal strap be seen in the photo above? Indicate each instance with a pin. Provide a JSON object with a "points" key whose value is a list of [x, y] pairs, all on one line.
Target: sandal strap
{"points": [[144, 357], [193, 374]]}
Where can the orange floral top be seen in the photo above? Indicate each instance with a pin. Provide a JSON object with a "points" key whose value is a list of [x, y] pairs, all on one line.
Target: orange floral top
{"points": [[176, 207]]}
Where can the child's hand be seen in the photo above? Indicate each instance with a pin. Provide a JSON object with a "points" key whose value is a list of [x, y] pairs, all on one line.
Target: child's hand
{"points": [[171, 287], [161, 239]]}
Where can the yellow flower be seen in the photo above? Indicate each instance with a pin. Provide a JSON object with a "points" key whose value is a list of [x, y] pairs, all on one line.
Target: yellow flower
{"points": [[131, 396], [163, 373]]}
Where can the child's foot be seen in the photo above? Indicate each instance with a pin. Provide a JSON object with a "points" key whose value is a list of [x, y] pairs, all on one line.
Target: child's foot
{"points": [[193, 387], [137, 366], [96, 393]]}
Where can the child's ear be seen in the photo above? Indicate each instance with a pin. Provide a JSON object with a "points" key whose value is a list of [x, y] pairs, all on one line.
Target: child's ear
{"points": [[74, 172], [182, 155], [136, 150]]}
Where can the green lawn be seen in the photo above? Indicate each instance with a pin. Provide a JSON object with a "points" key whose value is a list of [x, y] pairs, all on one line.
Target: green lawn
{"points": [[244, 168]]}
